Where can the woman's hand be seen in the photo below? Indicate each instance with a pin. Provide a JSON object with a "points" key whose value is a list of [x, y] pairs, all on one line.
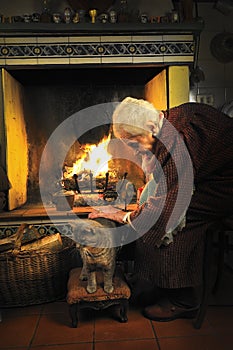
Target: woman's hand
{"points": [[95, 214], [116, 215]]}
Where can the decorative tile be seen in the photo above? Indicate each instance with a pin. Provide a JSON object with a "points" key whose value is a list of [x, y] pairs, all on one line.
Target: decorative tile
{"points": [[152, 59], [23, 40], [21, 61], [181, 37], [84, 39], [178, 59], [85, 60], [48, 50], [120, 59], [114, 39], [11, 50], [2, 62], [46, 60], [53, 50], [147, 38], [116, 49], [43, 229], [90, 49], [52, 40]]}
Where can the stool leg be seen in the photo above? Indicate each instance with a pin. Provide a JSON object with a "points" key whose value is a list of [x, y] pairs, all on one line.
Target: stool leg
{"points": [[207, 285], [73, 310], [123, 310]]}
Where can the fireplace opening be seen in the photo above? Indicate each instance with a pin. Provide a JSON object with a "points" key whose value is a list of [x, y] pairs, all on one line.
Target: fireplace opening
{"points": [[52, 95]]}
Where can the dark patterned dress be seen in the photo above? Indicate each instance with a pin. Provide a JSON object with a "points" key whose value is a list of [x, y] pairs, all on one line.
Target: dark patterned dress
{"points": [[208, 137]]}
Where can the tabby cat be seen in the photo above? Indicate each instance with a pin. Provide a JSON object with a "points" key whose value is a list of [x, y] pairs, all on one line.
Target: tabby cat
{"points": [[97, 251]]}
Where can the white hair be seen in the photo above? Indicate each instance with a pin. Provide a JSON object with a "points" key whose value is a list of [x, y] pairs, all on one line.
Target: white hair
{"points": [[131, 115]]}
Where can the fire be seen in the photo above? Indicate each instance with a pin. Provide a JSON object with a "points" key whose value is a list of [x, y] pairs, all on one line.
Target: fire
{"points": [[95, 159]]}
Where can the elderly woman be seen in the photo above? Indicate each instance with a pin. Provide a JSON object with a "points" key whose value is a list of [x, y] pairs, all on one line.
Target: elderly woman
{"points": [[188, 152]]}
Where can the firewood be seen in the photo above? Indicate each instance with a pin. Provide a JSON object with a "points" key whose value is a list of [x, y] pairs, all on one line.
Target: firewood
{"points": [[14, 241], [28, 238], [52, 243], [7, 243]]}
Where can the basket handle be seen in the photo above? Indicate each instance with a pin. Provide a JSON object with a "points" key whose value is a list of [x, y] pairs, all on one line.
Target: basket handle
{"points": [[19, 236]]}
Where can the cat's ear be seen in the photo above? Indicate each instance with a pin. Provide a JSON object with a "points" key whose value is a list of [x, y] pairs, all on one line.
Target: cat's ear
{"points": [[90, 230]]}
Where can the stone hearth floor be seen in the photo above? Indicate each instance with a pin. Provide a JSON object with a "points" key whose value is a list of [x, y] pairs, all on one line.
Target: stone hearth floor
{"points": [[35, 212]]}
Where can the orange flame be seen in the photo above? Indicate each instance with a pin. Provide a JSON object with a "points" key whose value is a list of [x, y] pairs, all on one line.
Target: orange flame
{"points": [[95, 159]]}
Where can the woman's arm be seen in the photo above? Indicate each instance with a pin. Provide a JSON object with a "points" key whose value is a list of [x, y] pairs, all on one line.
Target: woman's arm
{"points": [[117, 215]]}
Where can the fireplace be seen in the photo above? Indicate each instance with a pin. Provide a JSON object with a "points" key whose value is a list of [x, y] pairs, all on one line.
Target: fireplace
{"points": [[49, 76]]}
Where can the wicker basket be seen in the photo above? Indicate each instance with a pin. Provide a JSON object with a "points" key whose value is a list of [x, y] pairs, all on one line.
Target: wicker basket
{"points": [[36, 277]]}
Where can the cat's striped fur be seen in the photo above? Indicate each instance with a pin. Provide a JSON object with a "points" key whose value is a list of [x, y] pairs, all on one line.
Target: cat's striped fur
{"points": [[96, 247]]}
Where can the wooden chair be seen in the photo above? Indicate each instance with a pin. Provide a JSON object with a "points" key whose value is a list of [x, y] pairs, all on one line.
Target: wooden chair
{"points": [[217, 240], [78, 298]]}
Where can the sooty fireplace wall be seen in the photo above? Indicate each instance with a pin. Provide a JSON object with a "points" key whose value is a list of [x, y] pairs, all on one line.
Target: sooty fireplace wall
{"points": [[51, 96]]}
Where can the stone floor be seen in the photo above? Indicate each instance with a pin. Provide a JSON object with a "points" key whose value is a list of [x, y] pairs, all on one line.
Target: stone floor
{"points": [[47, 327]]}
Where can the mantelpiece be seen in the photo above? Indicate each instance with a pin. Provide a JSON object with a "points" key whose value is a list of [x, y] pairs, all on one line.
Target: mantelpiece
{"points": [[32, 29]]}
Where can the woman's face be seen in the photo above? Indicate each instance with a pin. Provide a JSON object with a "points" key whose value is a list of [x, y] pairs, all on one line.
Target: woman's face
{"points": [[143, 145]]}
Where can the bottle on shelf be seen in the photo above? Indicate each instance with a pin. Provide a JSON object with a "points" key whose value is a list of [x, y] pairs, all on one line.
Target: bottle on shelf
{"points": [[123, 15], [46, 16]]}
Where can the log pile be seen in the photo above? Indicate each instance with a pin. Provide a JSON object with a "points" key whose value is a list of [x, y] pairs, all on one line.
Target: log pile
{"points": [[27, 238]]}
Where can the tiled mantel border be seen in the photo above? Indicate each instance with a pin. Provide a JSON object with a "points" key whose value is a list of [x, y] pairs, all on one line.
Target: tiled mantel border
{"points": [[45, 228], [167, 46]]}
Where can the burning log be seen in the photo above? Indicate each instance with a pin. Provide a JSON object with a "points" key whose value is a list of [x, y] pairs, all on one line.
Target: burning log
{"points": [[91, 181], [106, 181], [75, 176], [85, 182]]}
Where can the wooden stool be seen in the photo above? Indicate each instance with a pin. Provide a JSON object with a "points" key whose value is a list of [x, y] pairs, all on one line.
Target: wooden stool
{"points": [[78, 298]]}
